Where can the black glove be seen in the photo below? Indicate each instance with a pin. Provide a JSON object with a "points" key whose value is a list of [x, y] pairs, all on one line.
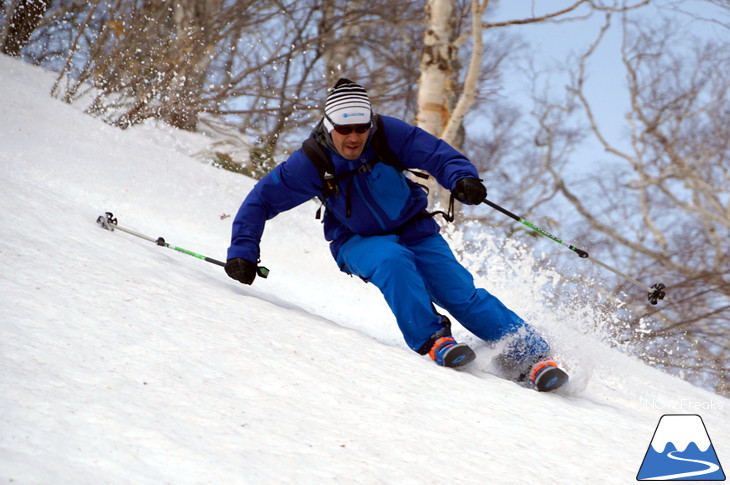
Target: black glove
{"points": [[241, 270], [470, 190]]}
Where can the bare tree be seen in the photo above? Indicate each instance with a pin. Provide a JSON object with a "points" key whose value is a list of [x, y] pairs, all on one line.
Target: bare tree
{"points": [[253, 70], [145, 59], [21, 17], [660, 205], [448, 91], [368, 41], [378, 43]]}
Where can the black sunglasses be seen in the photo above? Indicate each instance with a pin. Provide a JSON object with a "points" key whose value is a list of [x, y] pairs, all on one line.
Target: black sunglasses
{"points": [[347, 129]]}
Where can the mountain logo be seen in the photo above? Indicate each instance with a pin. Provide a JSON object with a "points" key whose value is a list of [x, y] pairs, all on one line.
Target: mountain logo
{"points": [[681, 450]]}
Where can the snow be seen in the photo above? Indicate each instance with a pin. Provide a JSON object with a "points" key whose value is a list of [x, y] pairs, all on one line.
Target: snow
{"points": [[681, 431], [125, 362]]}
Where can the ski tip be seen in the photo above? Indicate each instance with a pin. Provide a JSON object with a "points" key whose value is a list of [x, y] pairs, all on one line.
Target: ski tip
{"points": [[551, 379], [459, 356]]}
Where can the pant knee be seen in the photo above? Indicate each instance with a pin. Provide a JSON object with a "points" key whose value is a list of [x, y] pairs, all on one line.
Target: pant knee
{"points": [[364, 256], [393, 261]]}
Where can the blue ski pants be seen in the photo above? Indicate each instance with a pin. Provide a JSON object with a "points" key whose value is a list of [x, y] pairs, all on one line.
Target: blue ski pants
{"points": [[412, 275]]}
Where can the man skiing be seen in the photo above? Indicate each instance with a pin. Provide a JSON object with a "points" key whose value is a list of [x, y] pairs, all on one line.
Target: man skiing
{"points": [[378, 228]]}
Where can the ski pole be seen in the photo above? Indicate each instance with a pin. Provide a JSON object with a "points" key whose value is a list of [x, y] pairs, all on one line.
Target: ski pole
{"points": [[655, 292], [109, 222]]}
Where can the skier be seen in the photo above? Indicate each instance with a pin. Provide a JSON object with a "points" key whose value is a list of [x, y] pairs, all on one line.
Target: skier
{"points": [[378, 228]]}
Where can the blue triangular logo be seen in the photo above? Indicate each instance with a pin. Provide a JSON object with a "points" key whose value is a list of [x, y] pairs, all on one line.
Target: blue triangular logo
{"points": [[681, 450]]}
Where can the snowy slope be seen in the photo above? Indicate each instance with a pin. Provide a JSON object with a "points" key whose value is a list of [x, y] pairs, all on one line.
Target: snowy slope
{"points": [[123, 362]]}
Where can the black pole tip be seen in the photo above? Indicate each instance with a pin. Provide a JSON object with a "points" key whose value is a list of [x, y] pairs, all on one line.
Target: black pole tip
{"points": [[107, 221], [657, 294], [580, 252]]}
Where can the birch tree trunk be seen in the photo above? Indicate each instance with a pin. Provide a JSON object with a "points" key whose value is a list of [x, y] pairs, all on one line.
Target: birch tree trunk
{"points": [[468, 94], [435, 81], [439, 112], [436, 61]]}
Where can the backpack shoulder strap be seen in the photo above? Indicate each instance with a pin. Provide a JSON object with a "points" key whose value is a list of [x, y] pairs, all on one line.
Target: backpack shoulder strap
{"points": [[318, 155], [382, 150], [386, 154]]}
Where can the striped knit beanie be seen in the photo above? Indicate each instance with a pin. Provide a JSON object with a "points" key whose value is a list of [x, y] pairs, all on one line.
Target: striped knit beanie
{"points": [[347, 104]]}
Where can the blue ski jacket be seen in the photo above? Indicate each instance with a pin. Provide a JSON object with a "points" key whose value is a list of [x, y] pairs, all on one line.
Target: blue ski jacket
{"points": [[382, 199]]}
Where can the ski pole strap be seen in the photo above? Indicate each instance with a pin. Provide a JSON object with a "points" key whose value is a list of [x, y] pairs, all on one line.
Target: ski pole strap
{"points": [[448, 216], [262, 271], [578, 251]]}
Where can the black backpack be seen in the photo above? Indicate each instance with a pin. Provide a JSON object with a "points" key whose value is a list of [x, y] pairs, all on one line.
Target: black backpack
{"points": [[320, 157]]}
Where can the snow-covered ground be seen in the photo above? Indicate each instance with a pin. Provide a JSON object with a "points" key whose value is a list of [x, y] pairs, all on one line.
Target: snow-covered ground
{"points": [[123, 362]]}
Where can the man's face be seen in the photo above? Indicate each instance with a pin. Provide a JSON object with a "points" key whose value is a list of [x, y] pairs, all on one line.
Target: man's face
{"points": [[351, 145]]}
